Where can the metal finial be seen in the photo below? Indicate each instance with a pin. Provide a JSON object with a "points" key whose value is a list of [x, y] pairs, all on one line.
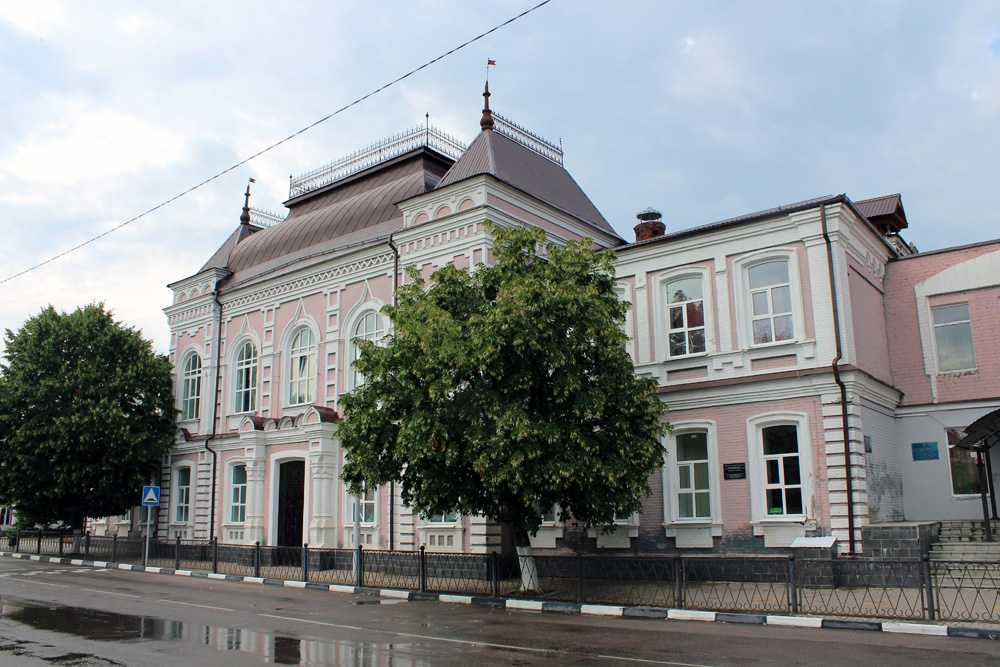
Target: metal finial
{"points": [[487, 122], [245, 216]]}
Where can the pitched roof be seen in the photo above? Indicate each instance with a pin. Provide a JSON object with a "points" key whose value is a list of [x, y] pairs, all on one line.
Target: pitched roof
{"points": [[353, 207], [508, 161], [885, 212], [220, 259]]}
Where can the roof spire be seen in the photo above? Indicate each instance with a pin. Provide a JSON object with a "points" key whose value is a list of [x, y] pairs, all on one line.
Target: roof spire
{"points": [[245, 216], [487, 122]]}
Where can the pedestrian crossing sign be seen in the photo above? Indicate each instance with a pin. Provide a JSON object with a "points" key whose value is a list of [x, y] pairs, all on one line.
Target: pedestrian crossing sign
{"points": [[151, 496]]}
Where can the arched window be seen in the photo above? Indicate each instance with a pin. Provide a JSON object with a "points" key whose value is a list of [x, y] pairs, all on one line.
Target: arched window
{"points": [[246, 378], [369, 327], [302, 370], [191, 388]]}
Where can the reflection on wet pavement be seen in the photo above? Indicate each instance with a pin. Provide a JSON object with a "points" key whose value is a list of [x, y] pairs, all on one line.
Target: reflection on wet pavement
{"points": [[108, 626]]}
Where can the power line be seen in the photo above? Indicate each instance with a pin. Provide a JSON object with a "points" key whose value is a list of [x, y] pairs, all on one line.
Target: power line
{"points": [[276, 144]]}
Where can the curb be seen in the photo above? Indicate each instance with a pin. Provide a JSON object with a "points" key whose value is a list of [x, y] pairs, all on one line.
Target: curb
{"points": [[545, 606]]}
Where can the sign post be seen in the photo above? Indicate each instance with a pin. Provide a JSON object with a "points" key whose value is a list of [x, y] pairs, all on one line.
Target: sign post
{"points": [[150, 498]]}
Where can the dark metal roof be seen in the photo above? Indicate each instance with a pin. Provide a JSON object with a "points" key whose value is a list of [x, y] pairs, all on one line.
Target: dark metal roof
{"points": [[886, 212], [221, 257], [506, 160], [979, 431], [323, 218]]}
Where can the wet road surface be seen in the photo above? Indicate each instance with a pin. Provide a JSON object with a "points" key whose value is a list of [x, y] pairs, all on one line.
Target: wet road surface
{"points": [[64, 615]]}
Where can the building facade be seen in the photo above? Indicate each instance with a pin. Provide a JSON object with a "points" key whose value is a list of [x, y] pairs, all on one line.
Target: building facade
{"points": [[795, 367]]}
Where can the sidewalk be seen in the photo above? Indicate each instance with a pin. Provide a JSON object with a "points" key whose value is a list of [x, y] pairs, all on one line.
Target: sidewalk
{"points": [[966, 630]]}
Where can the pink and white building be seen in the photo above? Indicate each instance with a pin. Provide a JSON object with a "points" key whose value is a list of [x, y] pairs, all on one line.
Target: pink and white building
{"points": [[801, 350]]}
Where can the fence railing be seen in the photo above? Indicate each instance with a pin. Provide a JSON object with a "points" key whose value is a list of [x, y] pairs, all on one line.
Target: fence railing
{"points": [[856, 587]]}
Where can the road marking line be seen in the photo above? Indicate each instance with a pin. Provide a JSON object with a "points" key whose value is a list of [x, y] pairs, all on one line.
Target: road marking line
{"points": [[42, 583], [124, 595], [191, 604], [485, 644], [305, 620]]}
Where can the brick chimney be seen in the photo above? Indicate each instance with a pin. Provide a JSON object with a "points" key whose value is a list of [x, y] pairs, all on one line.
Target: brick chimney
{"points": [[650, 226]]}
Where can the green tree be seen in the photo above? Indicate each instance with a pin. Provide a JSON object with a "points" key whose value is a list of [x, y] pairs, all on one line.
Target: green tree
{"points": [[86, 415], [507, 390]]}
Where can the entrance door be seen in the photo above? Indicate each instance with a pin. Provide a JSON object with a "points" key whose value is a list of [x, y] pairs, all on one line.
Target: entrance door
{"points": [[291, 499]]}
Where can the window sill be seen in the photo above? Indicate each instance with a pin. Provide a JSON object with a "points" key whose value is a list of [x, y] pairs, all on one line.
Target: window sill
{"points": [[963, 371]]}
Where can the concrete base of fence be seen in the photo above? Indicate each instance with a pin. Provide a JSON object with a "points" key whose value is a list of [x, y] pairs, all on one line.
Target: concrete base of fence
{"points": [[927, 629]]}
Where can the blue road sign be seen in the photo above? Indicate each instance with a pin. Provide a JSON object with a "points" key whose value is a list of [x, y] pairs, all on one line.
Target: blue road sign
{"points": [[151, 496]]}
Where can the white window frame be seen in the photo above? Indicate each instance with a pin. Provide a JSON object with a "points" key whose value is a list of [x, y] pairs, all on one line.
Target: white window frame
{"points": [[744, 307], [353, 378], [189, 378], [661, 310], [624, 292], [241, 389], [671, 476], [296, 352], [175, 495], [958, 433], [354, 501], [758, 481], [231, 487], [935, 327]]}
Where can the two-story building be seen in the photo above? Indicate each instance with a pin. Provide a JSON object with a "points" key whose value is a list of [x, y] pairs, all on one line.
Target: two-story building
{"points": [[779, 340]]}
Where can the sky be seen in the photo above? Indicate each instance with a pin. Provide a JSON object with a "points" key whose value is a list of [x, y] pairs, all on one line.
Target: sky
{"points": [[701, 110]]}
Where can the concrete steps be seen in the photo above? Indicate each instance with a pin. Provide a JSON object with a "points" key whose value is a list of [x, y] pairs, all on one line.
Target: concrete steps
{"points": [[963, 541]]}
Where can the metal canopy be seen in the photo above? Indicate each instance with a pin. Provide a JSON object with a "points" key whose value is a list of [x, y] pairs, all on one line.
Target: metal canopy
{"points": [[980, 436]]}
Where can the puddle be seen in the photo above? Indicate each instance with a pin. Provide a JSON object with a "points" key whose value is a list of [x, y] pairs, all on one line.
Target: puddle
{"points": [[104, 626]]}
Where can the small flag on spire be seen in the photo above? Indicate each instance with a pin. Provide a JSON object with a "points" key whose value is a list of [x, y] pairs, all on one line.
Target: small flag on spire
{"points": [[490, 62], [253, 180]]}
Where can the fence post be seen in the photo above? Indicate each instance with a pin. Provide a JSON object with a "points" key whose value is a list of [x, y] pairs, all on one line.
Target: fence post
{"points": [[256, 559], [39, 549], [928, 587], [86, 545], [114, 548], [678, 582], [359, 566], [494, 574], [61, 533], [422, 570], [793, 584], [177, 551], [17, 541], [305, 562], [580, 581], [215, 555]]}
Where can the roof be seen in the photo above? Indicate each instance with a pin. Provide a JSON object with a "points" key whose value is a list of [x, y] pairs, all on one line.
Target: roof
{"points": [[885, 212], [357, 208], [980, 430], [518, 166], [220, 259]]}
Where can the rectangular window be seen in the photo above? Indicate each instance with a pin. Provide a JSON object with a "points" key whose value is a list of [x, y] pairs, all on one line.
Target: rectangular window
{"points": [[693, 488], [771, 302], [782, 476], [366, 504], [445, 517], [182, 489], [685, 316], [964, 472], [953, 338], [238, 511]]}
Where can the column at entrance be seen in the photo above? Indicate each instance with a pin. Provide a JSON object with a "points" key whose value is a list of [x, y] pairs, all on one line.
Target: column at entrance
{"points": [[255, 497], [323, 522]]}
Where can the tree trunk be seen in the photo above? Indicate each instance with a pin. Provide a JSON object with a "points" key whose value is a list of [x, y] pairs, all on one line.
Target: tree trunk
{"points": [[526, 562]]}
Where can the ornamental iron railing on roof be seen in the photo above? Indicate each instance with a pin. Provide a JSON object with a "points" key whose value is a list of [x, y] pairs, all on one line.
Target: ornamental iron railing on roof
{"points": [[261, 218], [528, 139], [388, 148]]}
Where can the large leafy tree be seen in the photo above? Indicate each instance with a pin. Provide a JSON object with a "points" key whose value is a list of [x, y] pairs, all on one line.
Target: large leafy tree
{"points": [[507, 390], [86, 415]]}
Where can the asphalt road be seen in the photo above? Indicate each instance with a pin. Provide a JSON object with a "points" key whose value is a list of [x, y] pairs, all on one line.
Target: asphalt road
{"points": [[86, 617]]}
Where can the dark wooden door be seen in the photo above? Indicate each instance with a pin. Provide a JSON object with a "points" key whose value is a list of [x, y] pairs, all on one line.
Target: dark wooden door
{"points": [[291, 501]]}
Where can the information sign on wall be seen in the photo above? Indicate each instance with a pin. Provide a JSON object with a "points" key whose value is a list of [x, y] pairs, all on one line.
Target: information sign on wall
{"points": [[925, 451]]}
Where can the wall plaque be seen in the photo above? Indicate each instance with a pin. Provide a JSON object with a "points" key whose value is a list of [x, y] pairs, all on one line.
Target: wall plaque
{"points": [[925, 451], [734, 470]]}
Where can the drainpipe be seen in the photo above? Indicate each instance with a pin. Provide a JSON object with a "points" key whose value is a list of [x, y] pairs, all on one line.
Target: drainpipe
{"points": [[840, 383], [392, 485], [215, 406]]}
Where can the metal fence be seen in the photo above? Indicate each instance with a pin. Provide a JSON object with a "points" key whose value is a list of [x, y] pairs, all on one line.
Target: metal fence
{"points": [[856, 587]]}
